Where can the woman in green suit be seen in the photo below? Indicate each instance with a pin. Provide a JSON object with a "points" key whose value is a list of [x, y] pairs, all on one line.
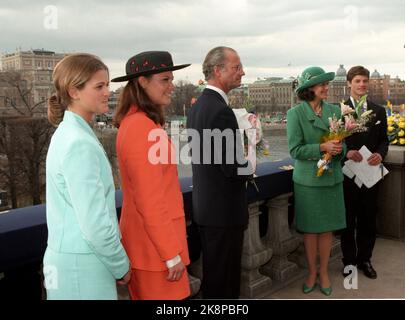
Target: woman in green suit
{"points": [[319, 203], [84, 256]]}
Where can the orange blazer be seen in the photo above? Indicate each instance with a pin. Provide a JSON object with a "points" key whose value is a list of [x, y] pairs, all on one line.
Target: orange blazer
{"points": [[152, 220]]}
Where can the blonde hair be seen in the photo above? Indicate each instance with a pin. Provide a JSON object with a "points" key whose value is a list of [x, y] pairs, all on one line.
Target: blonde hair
{"points": [[73, 71]]}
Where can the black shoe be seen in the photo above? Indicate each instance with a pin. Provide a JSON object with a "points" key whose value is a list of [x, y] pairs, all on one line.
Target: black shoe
{"points": [[368, 270], [349, 270]]}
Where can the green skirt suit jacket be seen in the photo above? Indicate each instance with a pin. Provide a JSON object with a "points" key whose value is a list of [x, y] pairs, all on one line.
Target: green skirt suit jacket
{"points": [[319, 202], [84, 256]]}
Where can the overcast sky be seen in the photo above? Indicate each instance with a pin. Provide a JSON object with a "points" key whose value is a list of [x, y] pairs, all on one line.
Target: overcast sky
{"points": [[273, 37]]}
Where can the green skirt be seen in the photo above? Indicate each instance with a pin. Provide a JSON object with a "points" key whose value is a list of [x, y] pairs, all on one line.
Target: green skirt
{"points": [[319, 209]]}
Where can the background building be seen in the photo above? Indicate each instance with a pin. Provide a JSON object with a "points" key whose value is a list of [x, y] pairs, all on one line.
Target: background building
{"points": [[31, 71], [338, 89], [273, 94], [238, 97], [378, 85]]}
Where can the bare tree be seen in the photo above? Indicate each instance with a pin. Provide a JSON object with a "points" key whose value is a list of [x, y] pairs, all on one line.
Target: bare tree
{"points": [[24, 138], [107, 136], [18, 94], [35, 136], [9, 170], [182, 95]]}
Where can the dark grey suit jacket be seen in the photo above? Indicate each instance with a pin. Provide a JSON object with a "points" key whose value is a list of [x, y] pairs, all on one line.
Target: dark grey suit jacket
{"points": [[219, 189]]}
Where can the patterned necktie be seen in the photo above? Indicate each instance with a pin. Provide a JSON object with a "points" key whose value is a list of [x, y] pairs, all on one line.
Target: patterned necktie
{"points": [[359, 105]]}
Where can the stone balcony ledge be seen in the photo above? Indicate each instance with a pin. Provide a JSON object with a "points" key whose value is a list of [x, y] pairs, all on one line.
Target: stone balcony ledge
{"points": [[273, 255]]}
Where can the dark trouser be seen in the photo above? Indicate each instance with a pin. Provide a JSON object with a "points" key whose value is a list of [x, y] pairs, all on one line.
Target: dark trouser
{"points": [[358, 239], [22, 283], [222, 253]]}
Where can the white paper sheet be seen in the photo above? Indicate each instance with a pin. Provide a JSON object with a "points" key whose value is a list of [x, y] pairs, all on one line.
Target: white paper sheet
{"points": [[368, 175], [347, 172], [358, 182]]}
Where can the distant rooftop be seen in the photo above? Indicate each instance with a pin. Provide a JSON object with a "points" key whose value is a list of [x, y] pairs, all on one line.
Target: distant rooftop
{"points": [[274, 80], [375, 74], [341, 72], [41, 52]]}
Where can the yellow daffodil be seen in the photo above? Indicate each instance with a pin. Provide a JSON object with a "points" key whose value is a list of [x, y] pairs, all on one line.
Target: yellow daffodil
{"points": [[396, 129]]}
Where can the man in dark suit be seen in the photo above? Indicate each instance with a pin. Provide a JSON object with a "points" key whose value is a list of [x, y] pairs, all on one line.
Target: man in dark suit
{"points": [[358, 239], [220, 172]]}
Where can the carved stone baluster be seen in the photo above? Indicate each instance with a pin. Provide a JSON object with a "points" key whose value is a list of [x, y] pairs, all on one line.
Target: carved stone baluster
{"points": [[255, 254], [280, 239], [195, 285], [299, 255], [336, 251]]}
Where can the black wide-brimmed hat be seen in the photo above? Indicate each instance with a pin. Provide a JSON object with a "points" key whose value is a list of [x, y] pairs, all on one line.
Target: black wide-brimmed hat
{"points": [[147, 63]]}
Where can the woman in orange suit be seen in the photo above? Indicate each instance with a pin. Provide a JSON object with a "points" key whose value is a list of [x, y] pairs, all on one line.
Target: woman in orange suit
{"points": [[152, 220]]}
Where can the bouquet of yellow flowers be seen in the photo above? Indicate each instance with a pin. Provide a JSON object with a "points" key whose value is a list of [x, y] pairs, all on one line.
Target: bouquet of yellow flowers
{"points": [[396, 130], [341, 128]]}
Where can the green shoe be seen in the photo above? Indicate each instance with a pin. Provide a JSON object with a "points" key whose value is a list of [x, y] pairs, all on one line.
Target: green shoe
{"points": [[306, 289], [326, 291]]}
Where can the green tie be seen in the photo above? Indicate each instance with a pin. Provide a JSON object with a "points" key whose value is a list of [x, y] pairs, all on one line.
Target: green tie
{"points": [[359, 104]]}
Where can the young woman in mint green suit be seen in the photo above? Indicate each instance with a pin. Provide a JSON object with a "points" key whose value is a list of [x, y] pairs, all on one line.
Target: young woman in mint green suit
{"points": [[319, 203], [84, 257]]}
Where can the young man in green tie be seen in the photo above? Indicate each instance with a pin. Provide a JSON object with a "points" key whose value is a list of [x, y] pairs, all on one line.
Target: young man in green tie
{"points": [[358, 239]]}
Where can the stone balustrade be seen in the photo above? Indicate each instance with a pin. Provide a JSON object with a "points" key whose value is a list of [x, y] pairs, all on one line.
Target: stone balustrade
{"points": [[391, 196], [269, 262]]}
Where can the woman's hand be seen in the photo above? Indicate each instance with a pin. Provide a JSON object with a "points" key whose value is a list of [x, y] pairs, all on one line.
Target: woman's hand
{"points": [[176, 272], [125, 279], [333, 147]]}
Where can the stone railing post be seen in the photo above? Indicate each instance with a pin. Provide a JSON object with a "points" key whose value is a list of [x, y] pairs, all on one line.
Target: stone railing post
{"points": [[195, 285], [255, 254], [335, 250], [391, 199], [299, 255], [280, 239]]}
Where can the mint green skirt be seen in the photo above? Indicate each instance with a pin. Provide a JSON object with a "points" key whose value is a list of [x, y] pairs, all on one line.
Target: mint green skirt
{"points": [[319, 209], [72, 276]]}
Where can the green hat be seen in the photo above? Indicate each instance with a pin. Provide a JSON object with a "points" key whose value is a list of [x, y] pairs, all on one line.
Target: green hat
{"points": [[312, 76]]}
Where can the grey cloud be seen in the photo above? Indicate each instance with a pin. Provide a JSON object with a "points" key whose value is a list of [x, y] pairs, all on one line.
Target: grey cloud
{"points": [[268, 34]]}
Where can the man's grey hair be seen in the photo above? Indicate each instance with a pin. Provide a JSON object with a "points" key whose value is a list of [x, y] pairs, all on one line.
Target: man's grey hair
{"points": [[215, 57]]}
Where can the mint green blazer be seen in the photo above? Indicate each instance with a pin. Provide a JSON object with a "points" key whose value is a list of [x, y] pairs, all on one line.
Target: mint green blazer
{"points": [[80, 196], [304, 133]]}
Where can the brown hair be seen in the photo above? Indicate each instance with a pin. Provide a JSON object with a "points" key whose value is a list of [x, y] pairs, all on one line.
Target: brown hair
{"points": [[134, 94], [73, 71], [357, 71], [306, 95]]}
